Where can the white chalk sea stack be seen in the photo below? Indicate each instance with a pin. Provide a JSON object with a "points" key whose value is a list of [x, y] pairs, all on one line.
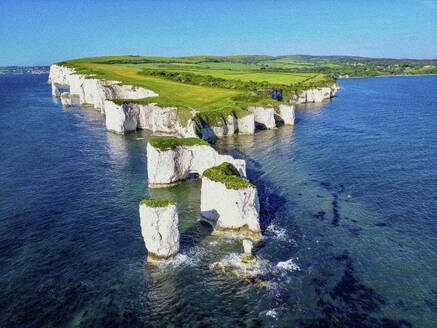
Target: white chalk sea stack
{"points": [[247, 247], [264, 116], [159, 226], [286, 114], [65, 99], [230, 202], [172, 159]]}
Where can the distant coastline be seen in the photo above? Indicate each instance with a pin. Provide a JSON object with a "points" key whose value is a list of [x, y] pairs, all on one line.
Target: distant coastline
{"points": [[25, 70], [369, 77]]}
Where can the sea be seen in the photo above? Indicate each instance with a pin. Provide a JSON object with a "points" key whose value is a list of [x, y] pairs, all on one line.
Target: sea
{"points": [[348, 212]]}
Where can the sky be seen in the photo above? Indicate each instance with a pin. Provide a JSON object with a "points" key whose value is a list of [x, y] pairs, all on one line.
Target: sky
{"points": [[41, 32]]}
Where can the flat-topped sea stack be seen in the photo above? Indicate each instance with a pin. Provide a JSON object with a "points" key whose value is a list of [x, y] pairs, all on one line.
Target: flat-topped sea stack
{"points": [[170, 160], [230, 202], [159, 226]]}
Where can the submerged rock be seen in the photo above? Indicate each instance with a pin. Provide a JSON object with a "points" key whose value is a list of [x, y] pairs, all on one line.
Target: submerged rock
{"points": [[159, 227], [230, 202], [244, 267], [171, 159]]}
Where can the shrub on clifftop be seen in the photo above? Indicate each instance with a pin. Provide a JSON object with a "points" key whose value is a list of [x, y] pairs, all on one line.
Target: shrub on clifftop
{"points": [[227, 174]]}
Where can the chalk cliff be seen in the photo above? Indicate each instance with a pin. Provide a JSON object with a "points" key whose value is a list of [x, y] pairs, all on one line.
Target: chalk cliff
{"points": [[159, 227], [317, 94], [132, 116], [286, 114], [166, 166], [267, 116], [93, 91], [264, 116]]}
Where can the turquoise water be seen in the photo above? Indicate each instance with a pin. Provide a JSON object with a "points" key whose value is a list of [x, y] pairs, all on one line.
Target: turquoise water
{"points": [[349, 202]]}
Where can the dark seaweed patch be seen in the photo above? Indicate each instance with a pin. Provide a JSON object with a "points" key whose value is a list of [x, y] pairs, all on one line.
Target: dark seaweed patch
{"points": [[320, 215], [432, 304], [355, 231], [348, 303], [335, 191]]}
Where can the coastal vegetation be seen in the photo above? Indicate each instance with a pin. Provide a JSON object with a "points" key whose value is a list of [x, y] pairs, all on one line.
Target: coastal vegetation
{"points": [[197, 82], [171, 143], [157, 203], [210, 88], [227, 174]]}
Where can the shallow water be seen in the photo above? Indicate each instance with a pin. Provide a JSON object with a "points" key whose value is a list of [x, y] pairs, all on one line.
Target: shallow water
{"points": [[349, 210]]}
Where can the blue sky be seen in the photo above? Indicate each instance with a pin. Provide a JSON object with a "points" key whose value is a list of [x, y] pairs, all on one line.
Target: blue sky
{"points": [[40, 32]]}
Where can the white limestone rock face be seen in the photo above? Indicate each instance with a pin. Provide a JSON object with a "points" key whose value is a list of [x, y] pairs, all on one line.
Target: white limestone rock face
{"points": [[132, 116], [91, 91], [246, 124], [164, 120], [317, 94], [55, 91], [247, 247], [121, 118], [159, 227], [169, 166], [264, 116], [65, 99], [286, 114], [233, 211], [229, 128]]}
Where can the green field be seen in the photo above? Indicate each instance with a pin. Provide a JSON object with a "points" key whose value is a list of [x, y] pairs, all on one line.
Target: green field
{"points": [[199, 82]]}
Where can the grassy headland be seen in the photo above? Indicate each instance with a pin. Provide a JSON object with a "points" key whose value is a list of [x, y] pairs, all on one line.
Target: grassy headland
{"points": [[204, 83], [217, 86]]}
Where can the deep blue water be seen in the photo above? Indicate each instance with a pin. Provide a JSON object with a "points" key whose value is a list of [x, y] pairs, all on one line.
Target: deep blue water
{"points": [[349, 195]]}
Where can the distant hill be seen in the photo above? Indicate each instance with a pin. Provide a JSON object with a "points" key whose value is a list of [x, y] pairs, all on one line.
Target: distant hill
{"points": [[24, 70]]}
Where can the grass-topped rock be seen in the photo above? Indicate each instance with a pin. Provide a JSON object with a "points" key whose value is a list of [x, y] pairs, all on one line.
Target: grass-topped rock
{"points": [[228, 175], [171, 143], [229, 202], [159, 226]]}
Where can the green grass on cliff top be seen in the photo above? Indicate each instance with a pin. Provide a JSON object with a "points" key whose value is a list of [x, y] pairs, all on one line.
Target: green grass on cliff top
{"points": [[227, 174], [170, 93], [171, 143], [157, 203], [127, 70]]}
